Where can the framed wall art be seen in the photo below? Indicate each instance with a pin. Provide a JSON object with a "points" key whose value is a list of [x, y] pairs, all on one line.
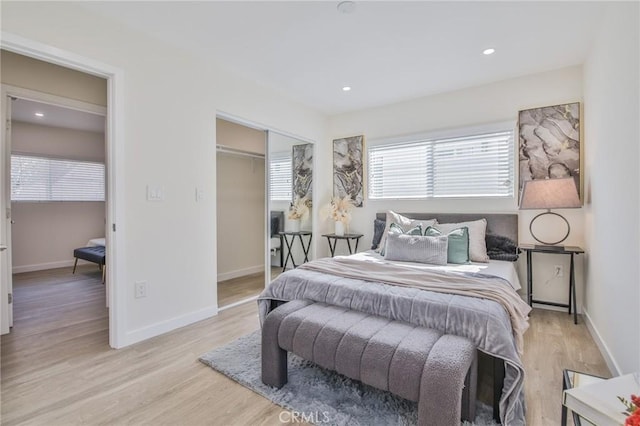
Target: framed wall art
{"points": [[549, 143], [302, 171], [348, 170]]}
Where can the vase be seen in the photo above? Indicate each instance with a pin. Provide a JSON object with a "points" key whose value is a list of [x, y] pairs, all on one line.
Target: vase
{"points": [[339, 228], [294, 225]]}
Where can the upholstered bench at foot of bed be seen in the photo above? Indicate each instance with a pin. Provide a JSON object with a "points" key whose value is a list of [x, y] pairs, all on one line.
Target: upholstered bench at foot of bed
{"points": [[93, 254], [420, 364]]}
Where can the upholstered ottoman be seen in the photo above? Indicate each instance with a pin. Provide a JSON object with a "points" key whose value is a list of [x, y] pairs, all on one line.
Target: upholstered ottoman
{"points": [[93, 254], [420, 364]]}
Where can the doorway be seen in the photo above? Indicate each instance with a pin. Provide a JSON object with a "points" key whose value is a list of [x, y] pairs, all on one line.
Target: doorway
{"points": [[58, 204], [281, 165], [33, 51], [240, 206]]}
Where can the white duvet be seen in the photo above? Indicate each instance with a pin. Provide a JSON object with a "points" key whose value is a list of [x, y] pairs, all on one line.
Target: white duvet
{"points": [[499, 268]]}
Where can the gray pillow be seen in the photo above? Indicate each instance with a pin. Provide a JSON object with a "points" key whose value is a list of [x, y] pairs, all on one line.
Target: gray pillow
{"points": [[398, 229], [378, 229], [417, 248]]}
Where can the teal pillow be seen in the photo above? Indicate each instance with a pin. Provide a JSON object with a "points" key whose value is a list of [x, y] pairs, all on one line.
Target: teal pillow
{"points": [[394, 228], [458, 248]]}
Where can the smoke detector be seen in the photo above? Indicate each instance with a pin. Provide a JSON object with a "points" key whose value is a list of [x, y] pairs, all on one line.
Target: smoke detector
{"points": [[346, 7]]}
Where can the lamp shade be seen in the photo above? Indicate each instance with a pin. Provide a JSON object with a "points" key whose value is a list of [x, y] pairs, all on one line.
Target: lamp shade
{"points": [[550, 194]]}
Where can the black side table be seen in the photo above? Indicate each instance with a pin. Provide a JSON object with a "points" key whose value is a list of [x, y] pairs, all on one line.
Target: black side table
{"points": [[347, 237], [568, 250], [289, 243]]}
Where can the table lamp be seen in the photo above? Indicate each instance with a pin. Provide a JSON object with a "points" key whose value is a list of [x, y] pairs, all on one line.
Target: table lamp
{"points": [[549, 194]]}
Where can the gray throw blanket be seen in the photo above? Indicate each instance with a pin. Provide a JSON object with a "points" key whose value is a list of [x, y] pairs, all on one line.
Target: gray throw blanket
{"points": [[485, 322]]}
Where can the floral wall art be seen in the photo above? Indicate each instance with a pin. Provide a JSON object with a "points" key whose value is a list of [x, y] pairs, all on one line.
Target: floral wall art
{"points": [[302, 170], [550, 143], [348, 169]]}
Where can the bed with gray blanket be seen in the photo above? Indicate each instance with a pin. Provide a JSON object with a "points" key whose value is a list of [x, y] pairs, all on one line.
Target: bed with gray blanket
{"points": [[482, 307]]}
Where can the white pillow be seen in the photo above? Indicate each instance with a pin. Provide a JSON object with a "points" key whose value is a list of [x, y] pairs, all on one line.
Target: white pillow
{"points": [[406, 224], [477, 243]]}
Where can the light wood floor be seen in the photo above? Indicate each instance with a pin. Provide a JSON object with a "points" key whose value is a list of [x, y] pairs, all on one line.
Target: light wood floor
{"points": [[237, 289], [57, 367]]}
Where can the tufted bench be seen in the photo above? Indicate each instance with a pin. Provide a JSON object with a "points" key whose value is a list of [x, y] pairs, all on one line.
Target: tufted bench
{"points": [[420, 364], [93, 254]]}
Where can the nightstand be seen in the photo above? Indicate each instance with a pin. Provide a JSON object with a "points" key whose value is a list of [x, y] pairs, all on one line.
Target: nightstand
{"points": [[347, 237], [566, 250], [289, 244]]}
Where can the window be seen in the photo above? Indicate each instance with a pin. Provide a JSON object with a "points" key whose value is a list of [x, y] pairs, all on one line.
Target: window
{"points": [[280, 177], [49, 179], [470, 166]]}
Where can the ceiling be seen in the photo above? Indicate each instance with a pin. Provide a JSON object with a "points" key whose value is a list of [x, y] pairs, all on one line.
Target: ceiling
{"points": [[55, 116], [387, 51]]}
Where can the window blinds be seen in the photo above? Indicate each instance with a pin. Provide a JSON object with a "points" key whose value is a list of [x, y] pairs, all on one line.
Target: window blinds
{"points": [[280, 177], [49, 179], [470, 166]]}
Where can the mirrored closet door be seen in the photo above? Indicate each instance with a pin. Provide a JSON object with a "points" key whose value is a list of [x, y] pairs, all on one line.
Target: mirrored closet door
{"points": [[290, 201]]}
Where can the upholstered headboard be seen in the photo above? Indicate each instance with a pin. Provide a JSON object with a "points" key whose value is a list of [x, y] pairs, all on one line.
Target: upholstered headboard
{"points": [[505, 225], [277, 222]]}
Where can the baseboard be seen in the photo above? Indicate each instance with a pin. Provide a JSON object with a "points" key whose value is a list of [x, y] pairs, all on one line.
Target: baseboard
{"points": [[604, 350], [238, 303], [162, 327], [45, 266], [240, 272]]}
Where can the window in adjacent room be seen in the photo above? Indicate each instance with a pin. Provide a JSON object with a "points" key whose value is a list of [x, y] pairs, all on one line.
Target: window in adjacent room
{"points": [[35, 178], [478, 165], [280, 176]]}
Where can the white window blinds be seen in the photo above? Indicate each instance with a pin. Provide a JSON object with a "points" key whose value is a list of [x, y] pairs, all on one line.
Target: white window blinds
{"points": [[470, 166], [280, 177], [50, 179]]}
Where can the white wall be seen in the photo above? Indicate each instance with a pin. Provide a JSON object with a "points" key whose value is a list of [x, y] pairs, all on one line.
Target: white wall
{"points": [[171, 100], [612, 114], [492, 103], [45, 233], [29, 138]]}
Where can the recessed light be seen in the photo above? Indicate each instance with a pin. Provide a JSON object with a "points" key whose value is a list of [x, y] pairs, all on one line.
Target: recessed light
{"points": [[346, 7], [488, 51], [39, 114], [346, 88]]}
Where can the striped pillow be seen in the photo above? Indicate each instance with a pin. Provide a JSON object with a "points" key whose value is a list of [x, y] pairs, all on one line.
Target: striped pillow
{"points": [[417, 248]]}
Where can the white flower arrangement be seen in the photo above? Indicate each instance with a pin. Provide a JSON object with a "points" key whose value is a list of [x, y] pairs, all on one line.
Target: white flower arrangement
{"points": [[300, 208], [339, 210]]}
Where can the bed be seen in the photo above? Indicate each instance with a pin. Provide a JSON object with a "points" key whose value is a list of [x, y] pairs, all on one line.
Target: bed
{"points": [[367, 282]]}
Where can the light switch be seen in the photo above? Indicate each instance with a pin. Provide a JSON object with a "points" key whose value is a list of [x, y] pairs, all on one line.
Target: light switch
{"points": [[199, 195], [155, 193]]}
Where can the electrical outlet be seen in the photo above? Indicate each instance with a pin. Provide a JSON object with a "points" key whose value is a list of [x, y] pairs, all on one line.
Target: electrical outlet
{"points": [[558, 271], [140, 289]]}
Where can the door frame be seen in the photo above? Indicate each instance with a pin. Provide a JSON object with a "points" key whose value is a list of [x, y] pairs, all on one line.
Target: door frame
{"points": [[114, 147]]}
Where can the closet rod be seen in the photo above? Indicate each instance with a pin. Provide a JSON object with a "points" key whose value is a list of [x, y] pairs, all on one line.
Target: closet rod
{"points": [[235, 151]]}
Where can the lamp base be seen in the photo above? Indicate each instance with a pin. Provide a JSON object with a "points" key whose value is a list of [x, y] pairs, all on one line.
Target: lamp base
{"points": [[550, 248], [549, 245]]}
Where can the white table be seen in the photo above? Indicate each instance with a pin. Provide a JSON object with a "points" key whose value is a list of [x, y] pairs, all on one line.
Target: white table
{"points": [[596, 399]]}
